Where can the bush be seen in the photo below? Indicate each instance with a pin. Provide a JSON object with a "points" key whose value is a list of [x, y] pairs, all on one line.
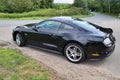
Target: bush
{"points": [[61, 6], [20, 6], [74, 11], [45, 12], [119, 15]]}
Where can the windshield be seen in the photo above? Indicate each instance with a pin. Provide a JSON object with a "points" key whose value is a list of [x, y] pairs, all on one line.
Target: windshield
{"points": [[85, 25]]}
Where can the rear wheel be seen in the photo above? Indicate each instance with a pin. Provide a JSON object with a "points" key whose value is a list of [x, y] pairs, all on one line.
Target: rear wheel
{"points": [[19, 40], [74, 53]]}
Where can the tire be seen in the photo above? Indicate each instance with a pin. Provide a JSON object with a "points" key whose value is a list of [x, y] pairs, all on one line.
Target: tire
{"points": [[74, 53], [19, 40]]}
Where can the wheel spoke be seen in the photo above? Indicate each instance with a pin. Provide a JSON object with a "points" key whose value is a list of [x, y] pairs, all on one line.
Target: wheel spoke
{"points": [[70, 54], [18, 39], [74, 53], [74, 57], [75, 49], [78, 54], [70, 50]]}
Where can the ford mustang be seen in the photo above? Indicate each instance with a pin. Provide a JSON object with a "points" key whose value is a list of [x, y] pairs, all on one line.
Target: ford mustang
{"points": [[74, 38]]}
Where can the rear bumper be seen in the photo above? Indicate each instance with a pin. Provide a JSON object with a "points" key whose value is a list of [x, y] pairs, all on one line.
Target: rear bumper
{"points": [[101, 54]]}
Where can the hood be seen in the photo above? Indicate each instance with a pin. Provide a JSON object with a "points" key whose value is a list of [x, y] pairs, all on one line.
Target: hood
{"points": [[26, 25], [29, 25]]}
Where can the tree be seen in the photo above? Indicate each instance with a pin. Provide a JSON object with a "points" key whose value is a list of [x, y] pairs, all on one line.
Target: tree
{"points": [[20, 5], [79, 3], [115, 6], [36, 4], [107, 6], [50, 3], [46, 3], [99, 4], [3, 5]]}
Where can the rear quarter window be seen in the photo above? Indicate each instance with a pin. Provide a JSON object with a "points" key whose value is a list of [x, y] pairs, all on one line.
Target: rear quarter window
{"points": [[66, 27]]}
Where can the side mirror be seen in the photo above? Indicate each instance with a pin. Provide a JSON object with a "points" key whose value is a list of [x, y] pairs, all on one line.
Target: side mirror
{"points": [[35, 29]]}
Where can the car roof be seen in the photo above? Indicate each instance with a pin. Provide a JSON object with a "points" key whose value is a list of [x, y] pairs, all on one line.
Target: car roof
{"points": [[65, 19]]}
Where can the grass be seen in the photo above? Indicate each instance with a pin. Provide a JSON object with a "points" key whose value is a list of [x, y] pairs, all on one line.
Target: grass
{"points": [[82, 16], [26, 18], [43, 18], [42, 14], [113, 15], [15, 66]]}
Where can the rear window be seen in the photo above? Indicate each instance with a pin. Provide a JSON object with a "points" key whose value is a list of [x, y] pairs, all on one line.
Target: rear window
{"points": [[85, 25]]}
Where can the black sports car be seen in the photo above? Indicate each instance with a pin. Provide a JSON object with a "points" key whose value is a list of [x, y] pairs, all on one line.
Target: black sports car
{"points": [[75, 38]]}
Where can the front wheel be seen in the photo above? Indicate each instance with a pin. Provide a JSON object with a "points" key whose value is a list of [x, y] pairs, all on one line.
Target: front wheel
{"points": [[74, 53], [19, 40]]}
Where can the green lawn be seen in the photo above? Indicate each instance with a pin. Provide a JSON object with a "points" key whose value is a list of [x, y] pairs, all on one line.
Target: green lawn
{"points": [[43, 18], [82, 16], [26, 18], [15, 66], [42, 14]]}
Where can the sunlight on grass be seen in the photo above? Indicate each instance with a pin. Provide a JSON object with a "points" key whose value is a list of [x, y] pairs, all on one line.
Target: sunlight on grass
{"points": [[82, 16], [15, 66], [42, 14], [43, 18]]}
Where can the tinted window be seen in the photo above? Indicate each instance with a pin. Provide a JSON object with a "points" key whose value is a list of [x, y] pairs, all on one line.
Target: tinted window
{"points": [[86, 26], [67, 27], [49, 25]]}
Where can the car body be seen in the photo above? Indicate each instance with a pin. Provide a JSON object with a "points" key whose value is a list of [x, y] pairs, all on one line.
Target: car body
{"points": [[61, 33]]}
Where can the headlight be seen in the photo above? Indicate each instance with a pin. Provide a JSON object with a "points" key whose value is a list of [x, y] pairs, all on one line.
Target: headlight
{"points": [[107, 42]]}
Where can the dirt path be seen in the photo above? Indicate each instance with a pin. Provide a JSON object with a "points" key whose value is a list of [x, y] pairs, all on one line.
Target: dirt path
{"points": [[107, 69]]}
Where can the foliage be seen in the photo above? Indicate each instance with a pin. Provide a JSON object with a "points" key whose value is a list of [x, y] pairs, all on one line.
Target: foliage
{"points": [[118, 15], [45, 12], [45, 17], [36, 4], [19, 6], [46, 3], [106, 6], [109, 6], [15, 66], [115, 6], [61, 6], [79, 3], [3, 5], [75, 11]]}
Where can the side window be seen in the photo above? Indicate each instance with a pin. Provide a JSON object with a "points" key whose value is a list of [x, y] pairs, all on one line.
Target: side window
{"points": [[41, 25], [49, 25], [67, 27]]}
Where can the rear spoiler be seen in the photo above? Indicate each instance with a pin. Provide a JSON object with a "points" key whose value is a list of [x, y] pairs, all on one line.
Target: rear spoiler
{"points": [[106, 30]]}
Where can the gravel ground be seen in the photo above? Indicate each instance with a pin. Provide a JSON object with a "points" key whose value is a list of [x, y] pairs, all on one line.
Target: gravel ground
{"points": [[107, 69]]}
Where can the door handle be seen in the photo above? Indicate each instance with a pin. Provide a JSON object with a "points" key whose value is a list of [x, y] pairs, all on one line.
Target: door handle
{"points": [[53, 35]]}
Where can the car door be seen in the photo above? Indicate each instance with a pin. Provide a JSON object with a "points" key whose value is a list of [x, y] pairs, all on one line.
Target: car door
{"points": [[48, 33], [65, 33]]}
